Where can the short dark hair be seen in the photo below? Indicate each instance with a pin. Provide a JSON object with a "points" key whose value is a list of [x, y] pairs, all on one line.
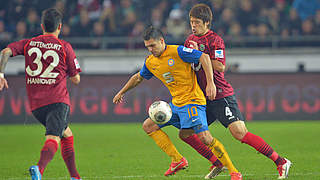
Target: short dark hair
{"points": [[51, 18], [152, 33], [203, 12]]}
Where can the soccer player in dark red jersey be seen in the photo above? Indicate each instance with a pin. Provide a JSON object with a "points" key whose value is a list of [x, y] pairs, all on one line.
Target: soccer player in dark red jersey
{"points": [[224, 107], [49, 61]]}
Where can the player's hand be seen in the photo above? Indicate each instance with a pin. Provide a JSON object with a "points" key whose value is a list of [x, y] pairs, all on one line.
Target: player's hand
{"points": [[211, 91], [3, 83], [193, 45], [118, 98]]}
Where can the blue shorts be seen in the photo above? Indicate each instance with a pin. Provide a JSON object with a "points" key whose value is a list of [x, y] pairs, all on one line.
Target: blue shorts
{"points": [[189, 116]]}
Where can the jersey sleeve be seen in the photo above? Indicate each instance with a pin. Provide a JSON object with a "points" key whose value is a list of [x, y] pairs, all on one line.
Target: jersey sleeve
{"points": [[189, 55], [17, 47], [218, 53], [186, 43], [145, 73], [71, 61]]}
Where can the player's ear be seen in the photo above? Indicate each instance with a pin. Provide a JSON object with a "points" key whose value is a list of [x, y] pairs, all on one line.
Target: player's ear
{"points": [[42, 27], [60, 26], [207, 23], [162, 40]]}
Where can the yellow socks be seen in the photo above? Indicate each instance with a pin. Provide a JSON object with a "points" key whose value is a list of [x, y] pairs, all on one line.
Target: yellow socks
{"points": [[218, 150], [163, 141]]}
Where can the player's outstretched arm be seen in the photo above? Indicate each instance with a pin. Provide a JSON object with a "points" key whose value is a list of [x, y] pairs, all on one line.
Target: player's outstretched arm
{"points": [[5, 54], [207, 67], [133, 82]]}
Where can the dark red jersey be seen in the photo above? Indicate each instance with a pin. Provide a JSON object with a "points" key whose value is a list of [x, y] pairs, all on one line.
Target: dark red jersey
{"points": [[213, 45], [48, 63]]}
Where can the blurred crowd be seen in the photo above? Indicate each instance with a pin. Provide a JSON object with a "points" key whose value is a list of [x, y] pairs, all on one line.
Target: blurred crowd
{"points": [[117, 18]]}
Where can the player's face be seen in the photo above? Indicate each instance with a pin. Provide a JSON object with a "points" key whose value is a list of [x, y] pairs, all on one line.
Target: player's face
{"points": [[198, 27], [155, 46]]}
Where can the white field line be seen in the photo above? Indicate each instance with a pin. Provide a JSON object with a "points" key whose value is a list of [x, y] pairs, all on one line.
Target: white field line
{"points": [[156, 176]]}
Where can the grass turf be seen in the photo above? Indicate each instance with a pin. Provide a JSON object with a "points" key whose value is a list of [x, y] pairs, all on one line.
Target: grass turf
{"points": [[123, 151]]}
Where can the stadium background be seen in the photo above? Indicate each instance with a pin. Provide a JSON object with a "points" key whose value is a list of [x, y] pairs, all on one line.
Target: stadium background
{"points": [[273, 54]]}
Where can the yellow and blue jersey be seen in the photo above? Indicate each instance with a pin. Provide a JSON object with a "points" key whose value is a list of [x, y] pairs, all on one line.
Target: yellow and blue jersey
{"points": [[173, 68]]}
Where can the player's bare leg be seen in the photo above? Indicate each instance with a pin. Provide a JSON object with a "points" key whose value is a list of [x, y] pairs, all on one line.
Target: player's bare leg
{"points": [[178, 162], [239, 131], [68, 155]]}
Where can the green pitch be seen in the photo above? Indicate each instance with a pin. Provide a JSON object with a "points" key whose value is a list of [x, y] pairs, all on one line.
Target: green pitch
{"points": [[124, 151]]}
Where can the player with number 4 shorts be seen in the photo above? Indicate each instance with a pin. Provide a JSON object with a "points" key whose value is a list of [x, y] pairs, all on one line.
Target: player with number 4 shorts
{"points": [[224, 108]]}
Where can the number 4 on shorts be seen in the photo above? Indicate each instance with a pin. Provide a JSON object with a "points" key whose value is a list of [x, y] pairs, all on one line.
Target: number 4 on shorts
{"points": [[228, 111]]}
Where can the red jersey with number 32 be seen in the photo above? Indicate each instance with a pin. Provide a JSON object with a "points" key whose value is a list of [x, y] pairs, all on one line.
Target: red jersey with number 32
{"points": [[48, 63], [213, 45]]}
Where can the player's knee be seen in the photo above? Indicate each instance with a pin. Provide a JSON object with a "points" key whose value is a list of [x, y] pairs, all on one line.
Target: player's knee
{"points": [[148, 126], [182, 136], [53, 137], [238, 134], [205, 139], [237, 137], [185, 133], [238, 130], [67, 132]]}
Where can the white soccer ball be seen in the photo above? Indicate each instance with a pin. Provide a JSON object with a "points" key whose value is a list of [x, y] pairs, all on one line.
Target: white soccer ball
{"points": [[160, 112]]}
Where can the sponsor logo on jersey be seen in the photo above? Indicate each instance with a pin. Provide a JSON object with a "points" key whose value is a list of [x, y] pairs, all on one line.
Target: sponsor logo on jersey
{"points": [[218, 54], [187, 50], [170, 62], [202, 47], [76, 63]]}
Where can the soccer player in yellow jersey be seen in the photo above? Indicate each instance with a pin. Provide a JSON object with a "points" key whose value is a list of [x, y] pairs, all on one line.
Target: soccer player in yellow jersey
{"points": [[172, 65]]}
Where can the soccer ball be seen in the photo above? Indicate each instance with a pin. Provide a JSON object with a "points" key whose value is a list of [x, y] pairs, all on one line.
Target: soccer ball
{"points": [[160, 112]]}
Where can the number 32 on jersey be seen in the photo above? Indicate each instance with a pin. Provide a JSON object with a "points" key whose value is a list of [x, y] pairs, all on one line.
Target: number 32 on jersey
{"points": [[47, 72]]}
